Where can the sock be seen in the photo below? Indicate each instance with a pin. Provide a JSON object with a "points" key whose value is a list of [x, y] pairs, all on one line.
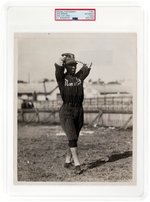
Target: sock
{"points": [[68, 156], [75, 156]]}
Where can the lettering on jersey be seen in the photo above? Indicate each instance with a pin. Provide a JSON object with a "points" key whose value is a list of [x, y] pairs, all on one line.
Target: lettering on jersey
{"points": [[76, 83], [67, 83]]}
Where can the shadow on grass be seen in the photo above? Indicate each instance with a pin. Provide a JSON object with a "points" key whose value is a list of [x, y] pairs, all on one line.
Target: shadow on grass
{"points": [[102, 161]]}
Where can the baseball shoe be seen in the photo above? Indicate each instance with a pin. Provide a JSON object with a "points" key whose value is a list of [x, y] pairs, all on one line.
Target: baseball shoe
{"points": [[68, 165], [78, 170]]}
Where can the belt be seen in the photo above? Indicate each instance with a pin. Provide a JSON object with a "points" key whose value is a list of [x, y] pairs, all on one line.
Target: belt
{"points": [[73, 104]]}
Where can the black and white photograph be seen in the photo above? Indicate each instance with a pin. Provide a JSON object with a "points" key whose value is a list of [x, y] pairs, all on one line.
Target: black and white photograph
{"points": [[76, 107]]}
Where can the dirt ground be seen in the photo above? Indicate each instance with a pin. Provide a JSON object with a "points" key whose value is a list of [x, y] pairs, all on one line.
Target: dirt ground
{"points": [[105, 155]]}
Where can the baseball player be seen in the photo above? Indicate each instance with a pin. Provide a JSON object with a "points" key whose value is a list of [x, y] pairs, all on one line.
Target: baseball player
{"points": [[71, 112]]}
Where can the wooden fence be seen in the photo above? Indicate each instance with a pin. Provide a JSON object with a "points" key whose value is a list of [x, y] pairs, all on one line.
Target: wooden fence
{"points": [[112, 110], [115, 104]]}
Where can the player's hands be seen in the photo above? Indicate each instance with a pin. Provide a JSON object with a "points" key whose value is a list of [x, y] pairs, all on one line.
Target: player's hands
{"points": [[85, 66], [61, 60], [90, 65], [68, 55]]}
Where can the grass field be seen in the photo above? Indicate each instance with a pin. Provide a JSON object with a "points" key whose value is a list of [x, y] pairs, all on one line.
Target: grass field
{"points": [[105, 155]]}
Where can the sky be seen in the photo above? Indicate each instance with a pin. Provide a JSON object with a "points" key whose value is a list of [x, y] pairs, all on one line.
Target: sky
{"points": [[113, 54]]}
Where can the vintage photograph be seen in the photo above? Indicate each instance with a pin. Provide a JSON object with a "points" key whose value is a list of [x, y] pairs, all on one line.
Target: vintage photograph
{"points": [[76, 107]]}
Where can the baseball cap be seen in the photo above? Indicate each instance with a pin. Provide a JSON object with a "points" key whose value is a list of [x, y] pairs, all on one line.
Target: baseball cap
{"points": [[70, 61]]}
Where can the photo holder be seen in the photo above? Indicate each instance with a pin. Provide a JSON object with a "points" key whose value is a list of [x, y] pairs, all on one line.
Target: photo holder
{"points": [[107, 19]]}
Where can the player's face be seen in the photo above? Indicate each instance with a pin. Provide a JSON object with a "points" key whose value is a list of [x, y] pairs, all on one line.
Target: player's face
{"points": [[71, 69]]}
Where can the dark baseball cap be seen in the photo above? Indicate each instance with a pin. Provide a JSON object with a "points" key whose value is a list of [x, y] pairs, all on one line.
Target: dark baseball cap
{"points": [[70, 61]]}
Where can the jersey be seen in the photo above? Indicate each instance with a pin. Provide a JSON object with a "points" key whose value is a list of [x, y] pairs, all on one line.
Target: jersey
{"points": [[71, 87]]}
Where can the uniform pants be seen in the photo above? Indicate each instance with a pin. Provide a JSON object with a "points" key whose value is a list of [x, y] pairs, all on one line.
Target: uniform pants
{"points": [[71, 119]]}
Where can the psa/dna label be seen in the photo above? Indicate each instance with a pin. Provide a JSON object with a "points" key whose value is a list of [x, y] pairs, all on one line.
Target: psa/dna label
{"points": [[75, 14]]}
